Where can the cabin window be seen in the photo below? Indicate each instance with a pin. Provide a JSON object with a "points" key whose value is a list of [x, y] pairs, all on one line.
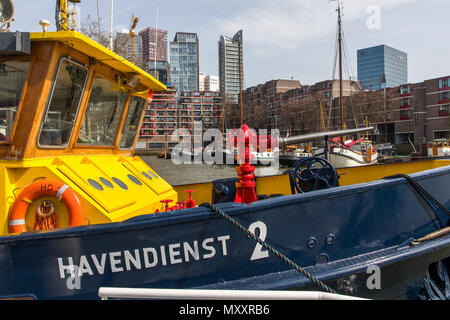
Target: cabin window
{"points": [[103, 113], [131, 127], [63, 104], [13, 74]]}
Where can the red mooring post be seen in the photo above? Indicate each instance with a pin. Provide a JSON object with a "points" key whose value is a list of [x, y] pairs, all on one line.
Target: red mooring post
{"points": [[245, 187]]}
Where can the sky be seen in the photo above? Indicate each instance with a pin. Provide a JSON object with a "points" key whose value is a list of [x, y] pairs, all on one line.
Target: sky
{"points": [[283, 39]]}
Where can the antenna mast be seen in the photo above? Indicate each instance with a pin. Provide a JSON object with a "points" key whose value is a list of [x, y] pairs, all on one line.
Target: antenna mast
{"points": [[111, 27]]}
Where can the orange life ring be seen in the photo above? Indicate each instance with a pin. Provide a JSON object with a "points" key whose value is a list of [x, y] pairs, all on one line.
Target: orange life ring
{"points": [[44, 188]]}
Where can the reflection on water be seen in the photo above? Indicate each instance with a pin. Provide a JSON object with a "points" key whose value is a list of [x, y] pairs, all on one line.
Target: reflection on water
{"points": [[195, 173]]}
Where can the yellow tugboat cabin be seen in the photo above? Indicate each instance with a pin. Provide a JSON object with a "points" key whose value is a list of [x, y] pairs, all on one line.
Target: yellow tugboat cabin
{"points": [[71, 111]]}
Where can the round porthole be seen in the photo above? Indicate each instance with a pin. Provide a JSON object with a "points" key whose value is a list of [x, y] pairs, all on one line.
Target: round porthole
{"points": [[152, 174], [146, 175], [134, 179], [120, 183], [95, 184], [106, 182]]}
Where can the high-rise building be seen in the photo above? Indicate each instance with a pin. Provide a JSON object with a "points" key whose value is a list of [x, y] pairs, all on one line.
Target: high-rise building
{"points": [[382, 66], [184, 63], [150, 36], [231, 70], [125, 49]]}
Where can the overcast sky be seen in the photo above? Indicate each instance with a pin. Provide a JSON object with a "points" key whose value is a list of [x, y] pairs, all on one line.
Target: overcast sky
{"points": [[282, 38]]}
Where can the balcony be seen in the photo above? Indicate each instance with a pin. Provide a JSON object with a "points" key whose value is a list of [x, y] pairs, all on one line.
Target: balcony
{"points": [[405, 91]]}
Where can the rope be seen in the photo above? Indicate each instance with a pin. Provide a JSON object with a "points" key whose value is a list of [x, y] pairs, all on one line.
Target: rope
{"points": [[285, 259], [421, 191]]}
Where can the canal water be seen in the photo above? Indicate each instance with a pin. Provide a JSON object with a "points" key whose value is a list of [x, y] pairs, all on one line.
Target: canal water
{"points": [[195, 173]]}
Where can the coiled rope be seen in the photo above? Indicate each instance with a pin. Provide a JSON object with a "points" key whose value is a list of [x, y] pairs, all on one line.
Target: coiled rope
{"points": [[285, 259]]}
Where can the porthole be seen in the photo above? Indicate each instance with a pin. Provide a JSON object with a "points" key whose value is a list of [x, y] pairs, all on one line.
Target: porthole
{"points": [[152, 174], [134, 179], [106, 182], [120, 183], [146, 175], [95, 184]]}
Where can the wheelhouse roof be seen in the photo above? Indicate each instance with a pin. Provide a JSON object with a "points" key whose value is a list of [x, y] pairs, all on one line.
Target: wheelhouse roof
{"points": [[93, 49]]}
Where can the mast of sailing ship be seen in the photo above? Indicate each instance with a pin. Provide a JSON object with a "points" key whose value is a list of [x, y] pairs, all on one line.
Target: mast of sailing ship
{"points": [[341, 98]]}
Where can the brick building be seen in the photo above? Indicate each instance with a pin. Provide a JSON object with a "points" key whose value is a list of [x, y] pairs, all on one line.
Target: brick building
{"points": [[165, 114], [417, 111]]}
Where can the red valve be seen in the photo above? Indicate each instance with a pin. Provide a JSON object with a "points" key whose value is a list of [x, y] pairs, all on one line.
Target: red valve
{"points": [[190, 203], [166, 201], [181, 204]]}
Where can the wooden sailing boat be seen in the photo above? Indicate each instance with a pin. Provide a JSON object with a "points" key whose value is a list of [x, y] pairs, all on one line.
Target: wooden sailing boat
{"points": [[347, 152]]}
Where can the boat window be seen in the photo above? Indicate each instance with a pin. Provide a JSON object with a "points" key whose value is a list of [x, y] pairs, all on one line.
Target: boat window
{"points": [[131, 126], [103, 113], [63, 104], [13, 74]]}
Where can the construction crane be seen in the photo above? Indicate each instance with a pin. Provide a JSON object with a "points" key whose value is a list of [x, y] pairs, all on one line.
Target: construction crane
{"points": [[61, 14], [131, 37]]}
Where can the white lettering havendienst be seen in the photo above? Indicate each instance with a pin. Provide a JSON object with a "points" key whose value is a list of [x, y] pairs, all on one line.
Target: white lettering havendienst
{"points": [[143, 258]]}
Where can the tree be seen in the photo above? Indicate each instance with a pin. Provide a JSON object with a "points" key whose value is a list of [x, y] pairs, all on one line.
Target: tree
{"points": [[94, 30]]}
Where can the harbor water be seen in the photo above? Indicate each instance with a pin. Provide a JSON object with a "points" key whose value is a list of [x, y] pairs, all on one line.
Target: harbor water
{"points": [[177, 174]]}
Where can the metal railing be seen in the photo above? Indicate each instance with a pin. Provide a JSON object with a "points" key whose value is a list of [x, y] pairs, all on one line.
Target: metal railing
{"points": [[203, 294]]}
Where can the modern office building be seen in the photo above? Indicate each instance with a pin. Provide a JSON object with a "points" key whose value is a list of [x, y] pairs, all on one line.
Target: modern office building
{"points": [[184, 62], [382, 66], [162, 71], [231, 69]]}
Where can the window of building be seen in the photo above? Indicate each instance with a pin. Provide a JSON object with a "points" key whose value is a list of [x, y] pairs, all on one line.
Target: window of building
{"points": [[443, 110], [103, 113], [404, 103], [405, 114], [13, 74], [442, 97], [444, 83], [63, 104]]}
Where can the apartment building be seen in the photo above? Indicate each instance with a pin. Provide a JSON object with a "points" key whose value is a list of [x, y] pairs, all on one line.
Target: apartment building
{"points": [[416, 112], [154, 44], [166, 114], [290, 107], [160, 120], [201, 106], [231, 69]]}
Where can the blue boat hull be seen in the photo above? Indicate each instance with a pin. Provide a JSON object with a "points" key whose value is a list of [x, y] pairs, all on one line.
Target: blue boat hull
{"points": [[335, 234]]}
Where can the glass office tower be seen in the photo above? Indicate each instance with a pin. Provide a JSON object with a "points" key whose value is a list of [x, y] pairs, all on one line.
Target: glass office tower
{"points": [[382, 66], [184, 64]]}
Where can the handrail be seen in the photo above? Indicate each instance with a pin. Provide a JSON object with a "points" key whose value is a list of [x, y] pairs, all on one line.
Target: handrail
{"points": [[322, 135], [204, 294]]}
